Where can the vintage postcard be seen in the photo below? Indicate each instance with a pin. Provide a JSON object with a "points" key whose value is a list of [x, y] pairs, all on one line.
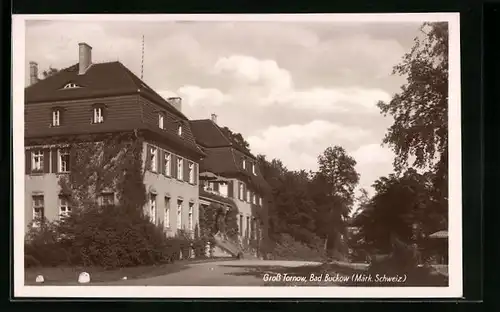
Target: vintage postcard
{"points": [[294, 156]]}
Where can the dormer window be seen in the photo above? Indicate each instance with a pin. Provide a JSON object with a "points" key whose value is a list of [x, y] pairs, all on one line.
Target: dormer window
{"points": [[160, 121], [254, 171], [179, 130], [56, 117], [244, 164], [71, 85], [98, 112]]}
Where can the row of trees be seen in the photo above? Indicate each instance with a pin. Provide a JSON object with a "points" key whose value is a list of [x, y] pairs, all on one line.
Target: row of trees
{"points": [[412, 202]]}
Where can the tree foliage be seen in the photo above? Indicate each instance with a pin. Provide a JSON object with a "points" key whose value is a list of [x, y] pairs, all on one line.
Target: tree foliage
{"points": [[236, 138], [420, 109], [49, 72]]}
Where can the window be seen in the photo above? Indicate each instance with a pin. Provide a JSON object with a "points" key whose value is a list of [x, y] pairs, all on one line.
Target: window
{"points": [[71, 85], [160, 121], [168, 158], [241, 224], [167, 212], [153, 150], [180, 168], [152, 208], [249, 196], [254, 199], [107, 199], [38, 210], [191, 173], [63, 160], [56, 118], [64, 208], [254, 171], [37, 160], [260, 201], [240, 193], [248, 225], [179, 130], [179, 214], [244, 164], [190, 226], [98, 115]]}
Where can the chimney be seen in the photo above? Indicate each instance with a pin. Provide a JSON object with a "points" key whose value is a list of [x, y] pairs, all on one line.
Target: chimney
{"points": [[33, 73], [85, 58], [214, 118], [176, 102]]}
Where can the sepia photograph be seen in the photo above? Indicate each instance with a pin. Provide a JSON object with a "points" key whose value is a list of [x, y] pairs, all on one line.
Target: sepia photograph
{"points": [[300, 155]]}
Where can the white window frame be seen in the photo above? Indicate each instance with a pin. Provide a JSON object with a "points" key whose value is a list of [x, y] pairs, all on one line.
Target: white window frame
{"points": [[179, 214], [260, 201], [154, 153], [152, 208], [160, 121], [179, 130], [98, 115], [56, 117], [244, 164], [64, 207], [168, 164], [37, 160], [60, 154], [38, 210], [249, 197], [190, 216], [240, 191], [254, 199], [254, 171], [166, 217], [180, 168], [191, 172]]}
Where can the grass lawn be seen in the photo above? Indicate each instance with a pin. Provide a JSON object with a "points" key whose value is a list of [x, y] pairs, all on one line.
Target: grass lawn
{"points": [[69, 275], [334, 274]]}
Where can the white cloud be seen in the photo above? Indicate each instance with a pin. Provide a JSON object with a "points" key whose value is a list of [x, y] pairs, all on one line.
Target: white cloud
{"points": [[299, 145], [254, 71], [196, 96], [273, 85]]}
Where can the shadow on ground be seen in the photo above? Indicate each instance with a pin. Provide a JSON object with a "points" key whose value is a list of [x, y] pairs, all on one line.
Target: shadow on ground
{"points": [[331, 274]]}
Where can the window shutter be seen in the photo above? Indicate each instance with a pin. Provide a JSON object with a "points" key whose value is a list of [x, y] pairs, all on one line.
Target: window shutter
{"points": [[174, 165], [159, 161], [55, 160], [61, 117], [216, 186], [230, 189], [185, 167], [148, 158], [46, 160], [244, 192], [28, 161]]}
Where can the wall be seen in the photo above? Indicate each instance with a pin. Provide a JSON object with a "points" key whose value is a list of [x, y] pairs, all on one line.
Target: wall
{"points": [[46, 185], [169, 186], [244, 207]]}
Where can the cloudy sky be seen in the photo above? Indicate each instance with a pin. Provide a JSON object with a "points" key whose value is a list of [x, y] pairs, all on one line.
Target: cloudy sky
{"points": [[292, 89]]}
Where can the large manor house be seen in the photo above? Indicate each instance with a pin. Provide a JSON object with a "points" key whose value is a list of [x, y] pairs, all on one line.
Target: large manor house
{"points": [[189, 164]]}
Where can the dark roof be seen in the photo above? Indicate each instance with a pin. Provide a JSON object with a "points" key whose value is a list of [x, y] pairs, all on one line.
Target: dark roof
{"points": [[208, 134], [100, 80]]}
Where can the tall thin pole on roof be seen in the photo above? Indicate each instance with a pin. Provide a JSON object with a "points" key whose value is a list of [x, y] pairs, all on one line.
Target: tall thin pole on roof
{"points": [[142, 58]]}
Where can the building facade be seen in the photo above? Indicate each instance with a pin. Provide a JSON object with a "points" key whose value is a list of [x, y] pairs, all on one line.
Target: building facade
{"points": [[230, 172], [89, 99]]}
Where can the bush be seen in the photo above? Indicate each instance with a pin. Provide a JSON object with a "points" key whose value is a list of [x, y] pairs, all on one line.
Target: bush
{"points": [[107, 237], [290, 249]]}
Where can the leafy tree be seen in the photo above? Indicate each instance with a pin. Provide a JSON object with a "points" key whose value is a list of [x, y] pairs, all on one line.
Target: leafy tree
{"points": [[420, 109], [400, 203], [236, 138], [49, 72]]}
